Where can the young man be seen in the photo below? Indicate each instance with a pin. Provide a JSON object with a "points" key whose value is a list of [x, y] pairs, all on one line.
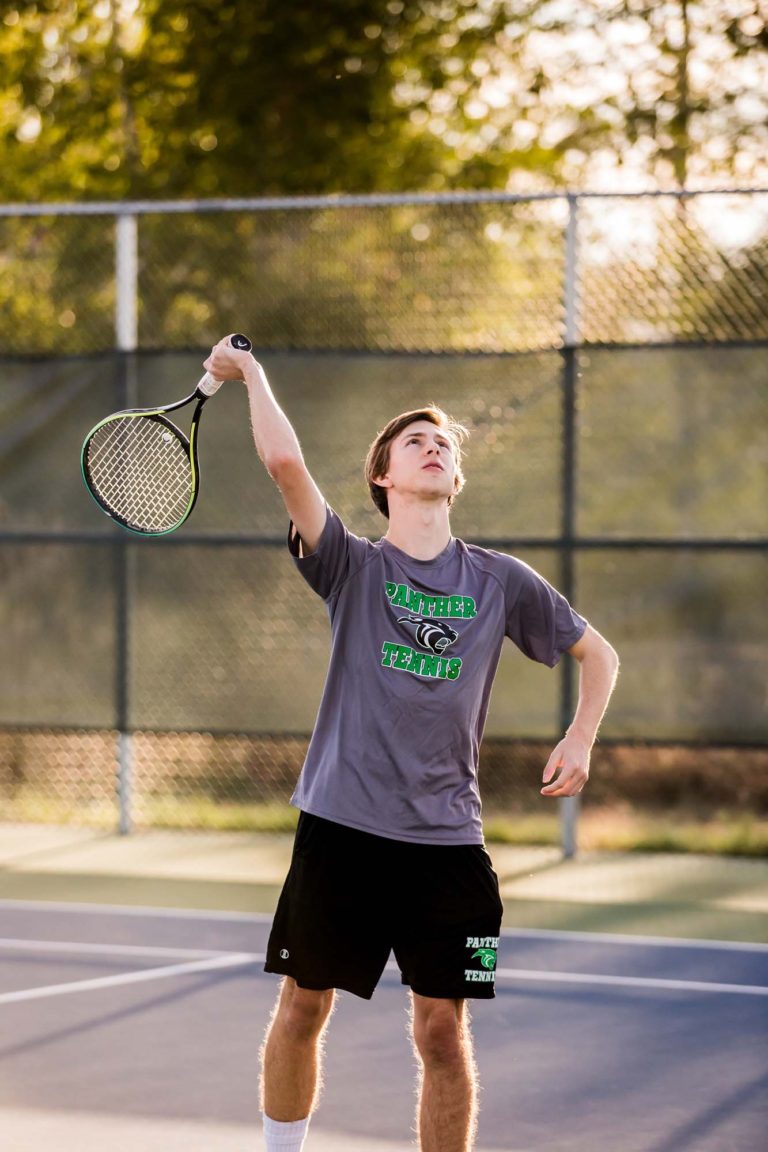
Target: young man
{"points": [[389, 852]]}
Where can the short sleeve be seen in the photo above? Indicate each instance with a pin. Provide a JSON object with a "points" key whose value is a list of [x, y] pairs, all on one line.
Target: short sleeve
{"points": [[540, 621], [338, 552]]}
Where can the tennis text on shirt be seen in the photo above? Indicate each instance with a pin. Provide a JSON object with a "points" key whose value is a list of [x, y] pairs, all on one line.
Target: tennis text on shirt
{"points": [[425, 621]]}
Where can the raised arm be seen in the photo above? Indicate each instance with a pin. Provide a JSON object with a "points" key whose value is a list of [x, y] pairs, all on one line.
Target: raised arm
{"points": [[567, 769], [276, 442]]}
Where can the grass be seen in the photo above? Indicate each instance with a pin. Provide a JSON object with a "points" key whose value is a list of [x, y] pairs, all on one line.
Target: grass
{"points": [[617, 829], [203, 814], [604, 828]]}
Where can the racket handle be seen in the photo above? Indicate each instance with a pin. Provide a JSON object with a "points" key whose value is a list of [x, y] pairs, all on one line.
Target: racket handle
{"points": [[209, 385]]}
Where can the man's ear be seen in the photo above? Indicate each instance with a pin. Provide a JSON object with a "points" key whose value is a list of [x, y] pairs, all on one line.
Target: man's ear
{"points": [[382, 481]]}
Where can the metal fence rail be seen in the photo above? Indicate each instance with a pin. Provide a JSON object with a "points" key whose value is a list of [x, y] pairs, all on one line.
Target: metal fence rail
{"points": [[607, 353]]}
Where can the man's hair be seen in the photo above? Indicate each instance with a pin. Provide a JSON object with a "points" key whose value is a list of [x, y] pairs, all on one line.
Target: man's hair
{"points": [[377, 460]]}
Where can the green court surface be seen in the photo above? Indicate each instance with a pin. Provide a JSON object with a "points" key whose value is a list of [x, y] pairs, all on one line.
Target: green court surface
{"points": [[710, 897]]}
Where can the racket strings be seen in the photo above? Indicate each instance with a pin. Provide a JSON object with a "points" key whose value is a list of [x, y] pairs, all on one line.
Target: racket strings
{"points": [[141, 471]]}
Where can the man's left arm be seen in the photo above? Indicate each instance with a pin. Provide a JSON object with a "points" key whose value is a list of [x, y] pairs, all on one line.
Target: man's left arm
{"points": [[567, 769]]}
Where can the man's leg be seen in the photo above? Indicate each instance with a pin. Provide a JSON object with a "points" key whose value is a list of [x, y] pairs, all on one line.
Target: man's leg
{"points": [[291, 1055], [447, 1116]]}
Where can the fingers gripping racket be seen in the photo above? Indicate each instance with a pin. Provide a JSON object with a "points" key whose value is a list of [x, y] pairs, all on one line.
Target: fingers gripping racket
{"points": [[141, 469]]}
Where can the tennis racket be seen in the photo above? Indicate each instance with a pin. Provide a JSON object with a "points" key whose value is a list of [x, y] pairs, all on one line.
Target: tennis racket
{"points": [[141, 469]]}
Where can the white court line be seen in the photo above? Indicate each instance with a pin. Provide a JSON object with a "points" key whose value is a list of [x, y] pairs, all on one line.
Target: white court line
{"points": [[624, 938], [533, 975], [136, 910], [638, 940], [87, 949], [632, 982], [212, 960], [230, 960]]}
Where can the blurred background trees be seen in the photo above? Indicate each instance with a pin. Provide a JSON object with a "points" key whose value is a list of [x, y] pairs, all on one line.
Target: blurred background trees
{"points": [[164, 98]]}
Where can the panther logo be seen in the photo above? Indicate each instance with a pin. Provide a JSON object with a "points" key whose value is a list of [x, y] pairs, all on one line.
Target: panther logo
{"points": [[487, 957], [435, 635]]}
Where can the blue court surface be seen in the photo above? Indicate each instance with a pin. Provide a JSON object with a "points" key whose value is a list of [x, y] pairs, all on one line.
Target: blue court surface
{"points": [[129, 1028]]}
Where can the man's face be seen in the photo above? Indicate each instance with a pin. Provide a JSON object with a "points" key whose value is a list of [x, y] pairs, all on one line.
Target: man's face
{"points": [[421, 463]]}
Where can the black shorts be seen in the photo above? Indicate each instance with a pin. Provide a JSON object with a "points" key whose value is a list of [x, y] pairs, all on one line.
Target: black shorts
{"points": [[350, 898]]}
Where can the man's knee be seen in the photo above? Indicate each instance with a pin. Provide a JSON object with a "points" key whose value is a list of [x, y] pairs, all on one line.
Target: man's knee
{"points": [[302, 1012], [439, 1032]]}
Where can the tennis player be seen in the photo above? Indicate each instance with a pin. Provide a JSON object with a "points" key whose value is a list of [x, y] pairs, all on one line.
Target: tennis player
{"points": [[389, 853]]}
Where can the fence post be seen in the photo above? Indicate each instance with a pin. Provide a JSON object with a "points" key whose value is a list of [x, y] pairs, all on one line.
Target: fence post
{"points": [[569, 804], [571, 301], [126, 282], [126, 343]]}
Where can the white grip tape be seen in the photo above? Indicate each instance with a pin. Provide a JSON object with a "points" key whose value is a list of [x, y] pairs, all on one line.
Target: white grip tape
{"points": [[209, 385]]}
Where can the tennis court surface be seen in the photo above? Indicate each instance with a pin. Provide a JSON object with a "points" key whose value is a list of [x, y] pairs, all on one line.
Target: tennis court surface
{"points": [[134, 1027]]}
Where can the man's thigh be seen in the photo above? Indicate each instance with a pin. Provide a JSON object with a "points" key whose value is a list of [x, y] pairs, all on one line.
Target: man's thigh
{"points": [[328, 930], [448, 934]]}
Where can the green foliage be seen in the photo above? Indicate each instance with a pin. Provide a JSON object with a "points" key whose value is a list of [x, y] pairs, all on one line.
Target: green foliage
{"points": [[172, 99], [159, 98]]}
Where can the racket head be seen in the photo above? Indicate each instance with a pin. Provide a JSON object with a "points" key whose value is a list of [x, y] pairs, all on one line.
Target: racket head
{"points": [[140, 469]]}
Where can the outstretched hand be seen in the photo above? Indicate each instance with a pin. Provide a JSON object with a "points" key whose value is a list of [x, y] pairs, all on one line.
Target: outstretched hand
{"points": [[567, 769], [226, 362]]}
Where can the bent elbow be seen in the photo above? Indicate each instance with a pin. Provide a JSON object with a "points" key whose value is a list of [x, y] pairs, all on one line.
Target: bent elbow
{"points": [[598, 651]]}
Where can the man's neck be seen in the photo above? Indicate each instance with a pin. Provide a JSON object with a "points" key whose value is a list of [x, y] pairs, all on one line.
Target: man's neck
{"points": [[422, 531]]}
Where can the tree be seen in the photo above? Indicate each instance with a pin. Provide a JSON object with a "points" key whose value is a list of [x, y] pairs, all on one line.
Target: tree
{"points": [[129, 98], [159, 98], [672, 91]]}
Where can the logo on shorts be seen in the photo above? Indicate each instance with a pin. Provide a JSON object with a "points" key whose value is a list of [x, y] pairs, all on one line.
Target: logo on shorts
{"points": [[284, 953], [484, 949]]}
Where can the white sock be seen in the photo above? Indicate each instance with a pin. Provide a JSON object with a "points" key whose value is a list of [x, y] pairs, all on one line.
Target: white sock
{"points": [[284, 1136]]}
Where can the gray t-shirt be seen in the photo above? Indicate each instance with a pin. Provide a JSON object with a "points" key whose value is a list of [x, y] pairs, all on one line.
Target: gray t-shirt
{"points": [[414, 648]]}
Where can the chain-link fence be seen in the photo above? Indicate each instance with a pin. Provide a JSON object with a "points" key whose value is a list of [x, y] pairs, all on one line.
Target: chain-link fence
{"points": [[484, 273], [608, 355]]}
